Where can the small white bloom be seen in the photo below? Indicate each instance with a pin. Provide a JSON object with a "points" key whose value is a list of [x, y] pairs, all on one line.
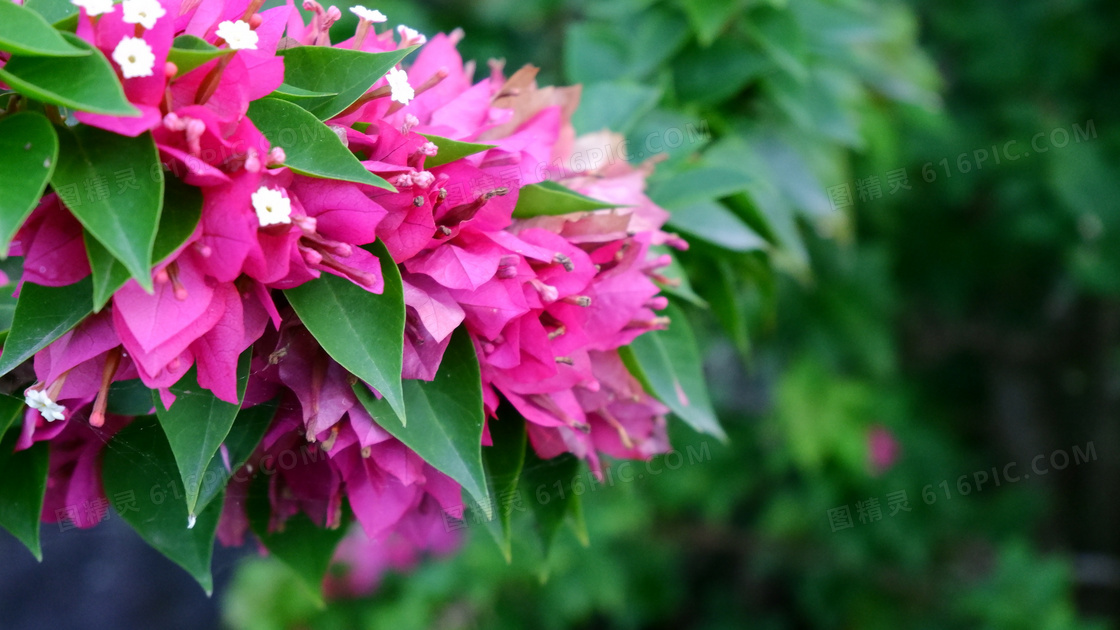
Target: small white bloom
{"points": [[135, 57], [38, 400], [369, 15], [410, 37], [429, 149], [94, 7], [402, 92], [142, 12], [238, 35], [272, 207]]}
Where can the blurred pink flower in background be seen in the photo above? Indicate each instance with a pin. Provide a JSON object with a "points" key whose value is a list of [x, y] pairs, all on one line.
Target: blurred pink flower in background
{"points": [[883, 449]]}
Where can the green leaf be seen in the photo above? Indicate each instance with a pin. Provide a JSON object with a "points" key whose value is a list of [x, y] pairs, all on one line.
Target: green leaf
{"points": [[114, 185], [451, 150], [86, 83], [25, 482], [712, 222], [140, 477], [310, 147], [668, 364], [348, 74], [718, 72], [503, 462], [363, 331], [617, 106], [246, 433], [294, 94], [548, 198], [303, 546], [11, 408], [108, 274], [43, 314], [181, 213], [196, 425], [130, 398], [25, 32], [695, 185], [547, 486], [28, 153], [53, 11], [709, 17], [445, 417], [594, 52], [189, 52]]}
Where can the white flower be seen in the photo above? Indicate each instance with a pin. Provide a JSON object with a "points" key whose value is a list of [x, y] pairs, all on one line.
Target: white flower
{"points": [[369, 15], [135, 57], [272, 207], [410, 37], [38, 400], [94, 7], [402, 92], [142, 12], [238, 35]]}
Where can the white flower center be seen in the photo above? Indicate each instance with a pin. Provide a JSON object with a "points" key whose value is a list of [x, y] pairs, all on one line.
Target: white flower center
{"points": [[369, 15], [94, 7], [402, 92], [38, 400], [143, 12], [135, 57], [272, 207], [410, 36], [238, 35]]}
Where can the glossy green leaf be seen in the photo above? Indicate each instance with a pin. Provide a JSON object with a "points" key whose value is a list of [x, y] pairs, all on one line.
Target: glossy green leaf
{"points": [[140, 477], [451, 150], [246, 433], [310, 146], [28, 154], [86, 83], [503, 462], [42, 315], [11, 408], [444, 417], [130, 398], [53, 11], [363, 331], [668, 364], [294, 94], [181, 213], [196, 425], [24, 475], [114, 185], [304, 547], [189, 52], [347, 74], [711, 221], [549, 198], [547, 487], [25, 32]]}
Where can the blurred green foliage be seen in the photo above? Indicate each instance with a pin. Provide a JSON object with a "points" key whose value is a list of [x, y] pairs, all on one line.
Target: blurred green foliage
{"points": [[971, 314]]}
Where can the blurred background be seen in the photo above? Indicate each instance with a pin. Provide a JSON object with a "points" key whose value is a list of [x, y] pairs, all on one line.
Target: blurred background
{"points": [[905, 263]]}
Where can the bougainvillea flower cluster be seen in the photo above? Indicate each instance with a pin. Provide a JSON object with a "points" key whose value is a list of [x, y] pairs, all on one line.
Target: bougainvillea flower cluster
{"points": [[547, 299]]}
